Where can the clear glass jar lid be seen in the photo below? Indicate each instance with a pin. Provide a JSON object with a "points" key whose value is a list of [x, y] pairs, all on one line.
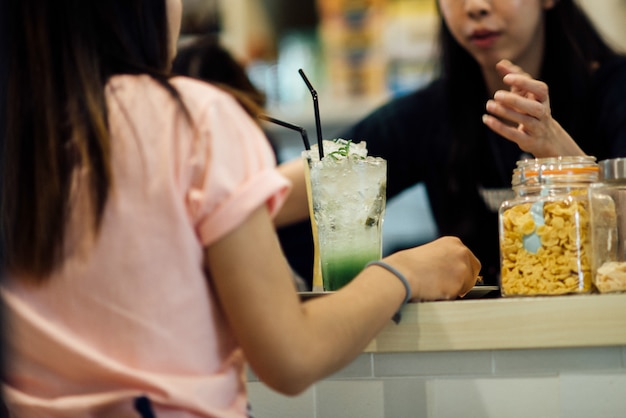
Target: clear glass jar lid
{"points": [[555, 170]]}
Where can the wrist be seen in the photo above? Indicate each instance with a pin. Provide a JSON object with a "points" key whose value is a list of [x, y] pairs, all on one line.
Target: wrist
{"points": [[407, 287]]}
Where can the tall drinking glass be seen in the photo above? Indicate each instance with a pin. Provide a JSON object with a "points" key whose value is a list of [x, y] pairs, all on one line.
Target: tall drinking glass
{"points": [[317, 284], [347, 198]]}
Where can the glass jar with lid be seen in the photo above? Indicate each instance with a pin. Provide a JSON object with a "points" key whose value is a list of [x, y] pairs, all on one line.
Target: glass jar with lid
{"points": [[545, 243], [608, 222]]}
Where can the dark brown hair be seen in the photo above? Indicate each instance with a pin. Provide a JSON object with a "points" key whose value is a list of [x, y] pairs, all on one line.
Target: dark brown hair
{"points": [[206, 59], [61, 55]]}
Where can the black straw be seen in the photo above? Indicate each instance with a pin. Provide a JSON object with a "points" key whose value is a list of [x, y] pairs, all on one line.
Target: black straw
{"points": [[305, 137], [316, 107]]}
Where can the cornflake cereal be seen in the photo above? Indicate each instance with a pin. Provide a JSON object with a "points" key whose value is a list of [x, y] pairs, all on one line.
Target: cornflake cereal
{"points": [[611, 277], [561, 263]]}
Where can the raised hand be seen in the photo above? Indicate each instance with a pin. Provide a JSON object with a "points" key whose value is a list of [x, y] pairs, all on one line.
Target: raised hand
{"points": [[523, 115]]}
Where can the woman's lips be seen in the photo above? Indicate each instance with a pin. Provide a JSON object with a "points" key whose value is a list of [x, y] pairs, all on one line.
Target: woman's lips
{"points": [[484, 38]]}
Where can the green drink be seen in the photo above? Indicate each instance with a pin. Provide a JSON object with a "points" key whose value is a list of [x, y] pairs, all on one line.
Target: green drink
{"points": [[338, 269], [348, 198]]}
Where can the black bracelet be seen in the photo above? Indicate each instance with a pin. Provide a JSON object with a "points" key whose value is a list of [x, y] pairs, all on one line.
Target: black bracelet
{"points": [[398, 315]]}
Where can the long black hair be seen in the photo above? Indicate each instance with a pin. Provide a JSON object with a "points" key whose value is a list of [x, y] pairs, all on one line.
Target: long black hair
{"points": [[4, 41], [62, 53], [573, 50]]}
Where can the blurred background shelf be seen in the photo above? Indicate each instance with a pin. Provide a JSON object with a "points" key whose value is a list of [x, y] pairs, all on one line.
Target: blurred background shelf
{"points": [[351, 49]]}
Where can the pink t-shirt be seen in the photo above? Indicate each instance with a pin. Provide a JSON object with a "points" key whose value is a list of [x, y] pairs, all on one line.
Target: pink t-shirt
{"points": [[132, 312]]}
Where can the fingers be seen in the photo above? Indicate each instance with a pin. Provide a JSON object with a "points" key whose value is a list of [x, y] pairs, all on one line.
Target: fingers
{"points": [[514, 117], [521, 82], [525, 85], [518, 133], [460, 268], [505, 67], [471, 270], [476, 266], [523, 115], [452, 267], [512, 106], [515, 74]]}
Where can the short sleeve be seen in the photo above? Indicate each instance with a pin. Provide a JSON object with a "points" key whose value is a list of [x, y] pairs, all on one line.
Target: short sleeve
{"points": [[233, 171]]}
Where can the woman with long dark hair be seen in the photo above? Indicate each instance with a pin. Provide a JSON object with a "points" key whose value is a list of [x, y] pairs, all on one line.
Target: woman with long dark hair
{"points": [[141, 265], [489, 106]]}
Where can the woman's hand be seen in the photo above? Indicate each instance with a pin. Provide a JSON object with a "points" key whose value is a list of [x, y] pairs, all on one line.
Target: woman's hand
{"points": [[441, 269], [523, 115]]}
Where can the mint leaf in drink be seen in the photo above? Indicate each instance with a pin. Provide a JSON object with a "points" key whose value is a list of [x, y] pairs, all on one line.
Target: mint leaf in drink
{"points": [[345, 148], [340, 149], [343, 151]]}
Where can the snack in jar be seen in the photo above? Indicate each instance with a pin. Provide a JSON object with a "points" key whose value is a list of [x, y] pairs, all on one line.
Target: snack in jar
{"points": [[608, 224], [544, 230]]}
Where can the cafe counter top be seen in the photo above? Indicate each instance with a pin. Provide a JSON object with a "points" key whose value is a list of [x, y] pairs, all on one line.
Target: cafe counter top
{"points": [[507, 323], [557, 356]]}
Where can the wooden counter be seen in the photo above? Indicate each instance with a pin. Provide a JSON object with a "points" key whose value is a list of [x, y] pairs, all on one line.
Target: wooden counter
{"points": [[507, 323]]}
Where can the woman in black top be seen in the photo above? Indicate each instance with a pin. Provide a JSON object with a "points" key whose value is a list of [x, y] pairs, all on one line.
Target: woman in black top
{"points": [[462, 134]]}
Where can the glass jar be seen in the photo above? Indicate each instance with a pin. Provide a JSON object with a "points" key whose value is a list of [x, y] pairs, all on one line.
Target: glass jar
{"points": [[545, 229], [608, 223]]}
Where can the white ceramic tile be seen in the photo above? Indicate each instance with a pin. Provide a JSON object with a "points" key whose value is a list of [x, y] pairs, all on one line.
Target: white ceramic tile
{"points": [[593, 395], [269, 404], [556, 360], [493, 398], [405, 398], [349, 399], [433, 364], [361, 367]]}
